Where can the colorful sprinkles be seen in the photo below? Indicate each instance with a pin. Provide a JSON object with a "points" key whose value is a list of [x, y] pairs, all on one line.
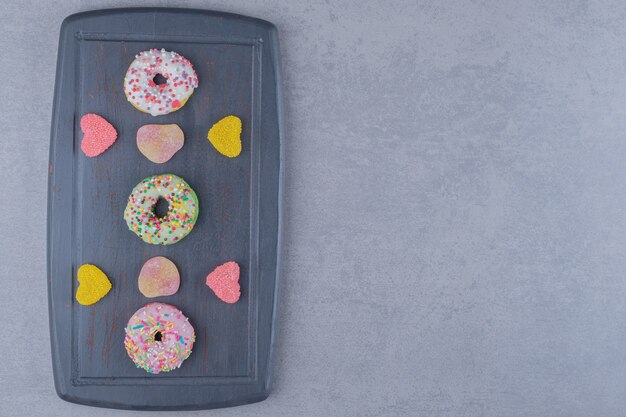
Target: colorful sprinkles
{"points": [[159, 338], [157, 99], [183, 209]]}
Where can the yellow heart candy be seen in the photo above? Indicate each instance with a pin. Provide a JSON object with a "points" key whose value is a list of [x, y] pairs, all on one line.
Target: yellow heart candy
{"points": [[93, 285], [225, 136]]}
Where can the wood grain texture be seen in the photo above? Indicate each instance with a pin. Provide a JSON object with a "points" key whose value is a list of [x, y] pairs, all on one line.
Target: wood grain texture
{"points": [[235, 58]]}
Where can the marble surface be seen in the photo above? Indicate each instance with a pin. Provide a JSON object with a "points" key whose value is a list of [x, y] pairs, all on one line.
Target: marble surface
{"points": [[455, 222]]}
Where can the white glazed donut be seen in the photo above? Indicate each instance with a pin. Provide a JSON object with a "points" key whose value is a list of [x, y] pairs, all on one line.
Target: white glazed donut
{"points": [[157, 99]]}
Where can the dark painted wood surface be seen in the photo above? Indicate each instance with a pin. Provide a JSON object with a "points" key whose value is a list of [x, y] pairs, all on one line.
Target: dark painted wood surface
{"points": [[237, 65]]}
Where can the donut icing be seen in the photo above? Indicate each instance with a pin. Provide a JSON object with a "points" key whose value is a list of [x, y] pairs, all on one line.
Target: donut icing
{"points": [[183, 209], [143, 93], [156, 321]]}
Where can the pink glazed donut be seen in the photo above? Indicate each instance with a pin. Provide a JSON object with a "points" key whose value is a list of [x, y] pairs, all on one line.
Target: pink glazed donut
{"points": [[159, 338]]}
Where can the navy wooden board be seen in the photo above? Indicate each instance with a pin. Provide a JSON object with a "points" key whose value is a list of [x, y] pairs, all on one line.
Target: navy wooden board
{"points": [[236, 59]]}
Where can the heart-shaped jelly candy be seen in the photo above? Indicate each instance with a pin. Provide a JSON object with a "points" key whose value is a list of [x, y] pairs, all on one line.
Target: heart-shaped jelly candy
{"points": [[93, 284], [224, 281], [98, 134], [158, 277], [159, 143], [225, 136]]}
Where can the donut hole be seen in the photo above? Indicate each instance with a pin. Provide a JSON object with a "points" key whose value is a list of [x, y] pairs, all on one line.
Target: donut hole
{"points": [[160, 79], [158, 336], [161, 208]]}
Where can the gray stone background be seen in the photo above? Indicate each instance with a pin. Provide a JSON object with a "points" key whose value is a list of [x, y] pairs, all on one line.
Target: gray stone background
{"points": [[455, 217]]}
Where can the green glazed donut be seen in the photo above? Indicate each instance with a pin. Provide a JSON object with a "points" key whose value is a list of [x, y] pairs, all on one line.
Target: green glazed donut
{"points": [[182, 212]]}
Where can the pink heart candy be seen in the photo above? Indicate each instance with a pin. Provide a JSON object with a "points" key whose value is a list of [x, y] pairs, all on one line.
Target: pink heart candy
{"points": [[224, 281], [98, 134]]}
